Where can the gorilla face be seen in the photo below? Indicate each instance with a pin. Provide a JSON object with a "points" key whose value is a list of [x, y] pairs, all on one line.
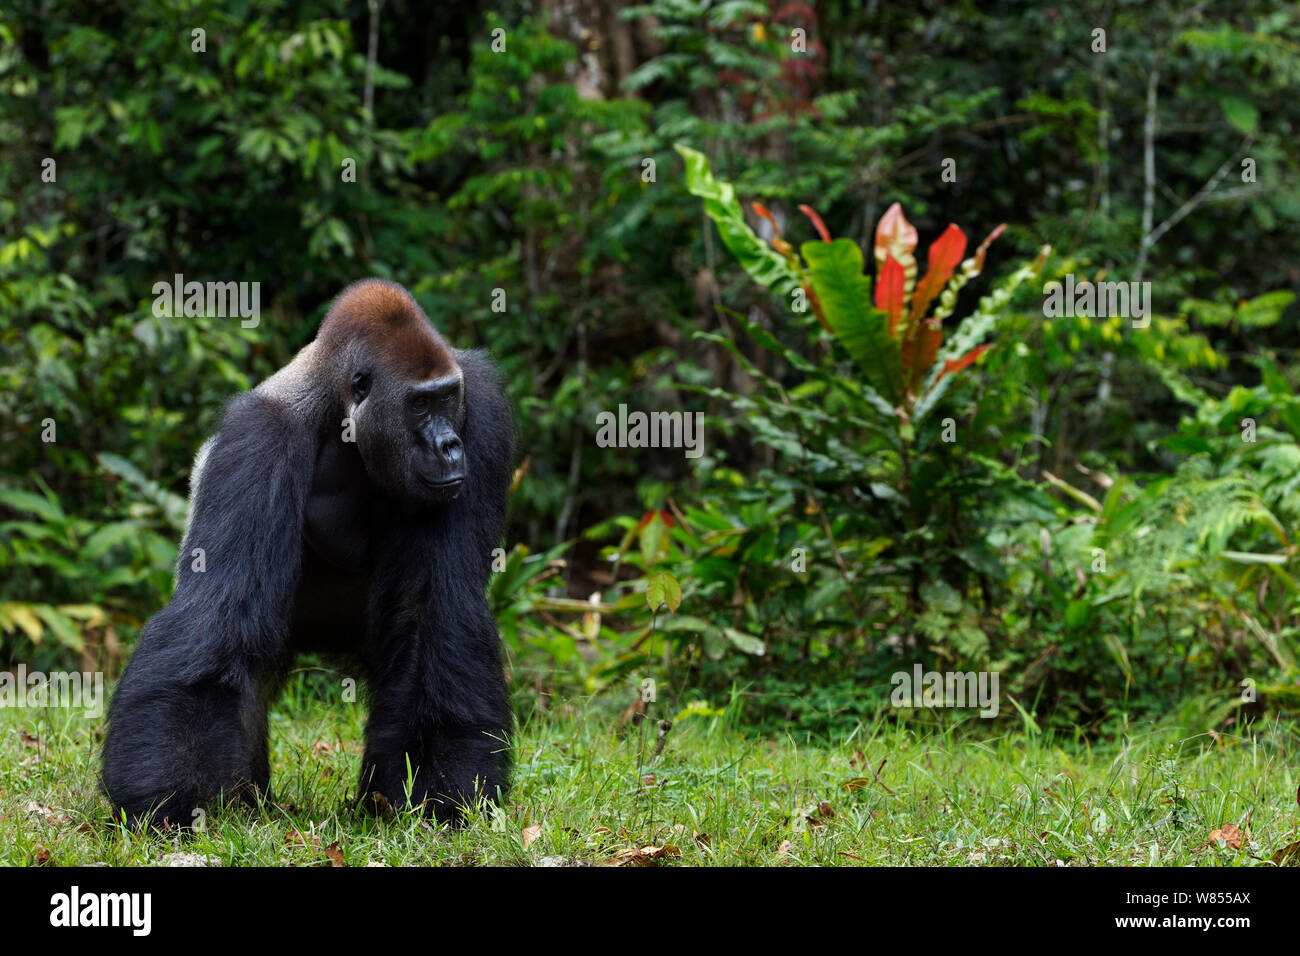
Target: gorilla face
{"points": [[408, 432]]}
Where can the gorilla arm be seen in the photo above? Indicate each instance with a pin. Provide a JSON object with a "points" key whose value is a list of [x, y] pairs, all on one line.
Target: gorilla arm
{"points": [[188, 720]]}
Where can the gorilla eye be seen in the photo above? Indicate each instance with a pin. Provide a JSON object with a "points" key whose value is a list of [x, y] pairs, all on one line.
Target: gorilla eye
{"points": [[360, 385]]}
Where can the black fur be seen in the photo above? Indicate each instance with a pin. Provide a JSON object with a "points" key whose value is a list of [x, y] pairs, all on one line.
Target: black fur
{"points": [[305, 552]]}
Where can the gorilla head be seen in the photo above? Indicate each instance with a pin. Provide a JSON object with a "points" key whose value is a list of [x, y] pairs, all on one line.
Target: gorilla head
{"points": [[399, 385]]}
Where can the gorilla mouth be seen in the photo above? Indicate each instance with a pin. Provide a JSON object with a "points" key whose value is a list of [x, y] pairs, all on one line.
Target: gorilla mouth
{"points": [[444, 486]]}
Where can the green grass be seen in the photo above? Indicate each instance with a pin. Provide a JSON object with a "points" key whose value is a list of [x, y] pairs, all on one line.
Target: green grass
{"points": [[716, 795]]}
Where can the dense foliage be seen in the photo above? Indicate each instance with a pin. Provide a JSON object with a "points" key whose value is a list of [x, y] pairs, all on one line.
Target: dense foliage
{"points": [[904, 461]]}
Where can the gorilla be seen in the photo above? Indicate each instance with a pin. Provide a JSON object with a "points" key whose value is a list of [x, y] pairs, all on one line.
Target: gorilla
{"points": [[349, 504]]}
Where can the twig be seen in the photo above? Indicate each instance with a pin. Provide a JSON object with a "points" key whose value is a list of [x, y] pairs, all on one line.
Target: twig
{"points": [[372, 54]]}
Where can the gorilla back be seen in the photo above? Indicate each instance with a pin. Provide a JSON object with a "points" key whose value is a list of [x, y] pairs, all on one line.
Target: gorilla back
{"points": [[350, 503]]}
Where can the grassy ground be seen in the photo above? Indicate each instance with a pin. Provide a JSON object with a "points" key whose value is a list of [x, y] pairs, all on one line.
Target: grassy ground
{"points": [[887, 795]]}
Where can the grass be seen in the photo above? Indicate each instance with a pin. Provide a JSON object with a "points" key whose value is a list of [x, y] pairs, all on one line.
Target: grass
{"points": [[889, 794]]}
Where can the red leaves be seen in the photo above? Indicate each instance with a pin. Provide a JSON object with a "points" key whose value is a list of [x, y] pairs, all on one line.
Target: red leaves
{"points": [[956, 365], [903, 304], [926, 339], [984, 246], [764, 213], [787, 250], [890, 292], [895, 236], [816, 304], [777, 240], [664, 516], [817, 222], [945, 255]]}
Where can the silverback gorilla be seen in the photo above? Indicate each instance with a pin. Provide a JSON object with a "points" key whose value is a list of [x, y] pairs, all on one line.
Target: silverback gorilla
{"points": [[348, 504]]}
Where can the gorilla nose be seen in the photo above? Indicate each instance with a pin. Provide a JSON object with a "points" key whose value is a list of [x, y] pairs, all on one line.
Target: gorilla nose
{"points": [[451, 449]]}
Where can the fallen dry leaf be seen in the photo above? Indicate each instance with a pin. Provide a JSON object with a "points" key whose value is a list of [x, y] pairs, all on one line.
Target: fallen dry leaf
{"points": [[296, 838], [819, 815], [334, 854], [29, 740], [1289, 855], [860, 783], [646, 855], [1230, 834], [531, 833]]}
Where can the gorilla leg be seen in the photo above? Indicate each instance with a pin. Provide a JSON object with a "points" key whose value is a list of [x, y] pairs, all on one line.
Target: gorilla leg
{"points": [[175, 746]]}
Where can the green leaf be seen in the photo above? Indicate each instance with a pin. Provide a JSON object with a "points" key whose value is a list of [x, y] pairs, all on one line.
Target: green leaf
{"points": [[60, 626], [1264, 310], [1251, 557], [845, 293], [745, 642], [663, 589], [107, 537], [1077, 613], [763, 263], [1121, 656], [1240, 113], [32, 503], [654, 543]]}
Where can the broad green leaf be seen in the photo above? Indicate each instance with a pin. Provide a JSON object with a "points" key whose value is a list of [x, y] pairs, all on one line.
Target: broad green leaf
{"points": [[32, 503], [845, 293], [763, 263], [60, 626], [21, 616], [745, 642], [107, 537]]}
